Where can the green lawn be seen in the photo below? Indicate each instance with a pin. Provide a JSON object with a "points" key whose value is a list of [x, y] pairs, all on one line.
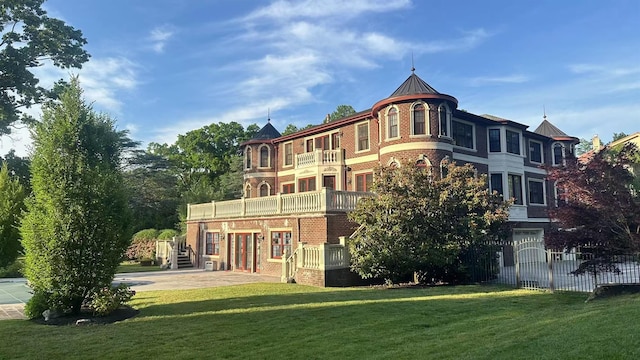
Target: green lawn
{"points": [[134, 266], [288, 321]]}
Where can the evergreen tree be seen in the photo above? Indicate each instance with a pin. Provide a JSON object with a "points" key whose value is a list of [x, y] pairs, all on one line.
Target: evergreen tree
{"points": [[76, 229], [11, 205]]}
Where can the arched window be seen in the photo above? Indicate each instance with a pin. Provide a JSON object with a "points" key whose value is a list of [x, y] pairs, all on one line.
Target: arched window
{"points": [[247, 157], [264, 156], [392, 123], [444, 167], [265, 189], [424, 163], [443, 114], [419, 125], [558, 154], [247, 190]]}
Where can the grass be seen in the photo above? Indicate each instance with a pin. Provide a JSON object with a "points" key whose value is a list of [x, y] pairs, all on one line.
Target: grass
{"points": [[288, 321], [134, 266]]}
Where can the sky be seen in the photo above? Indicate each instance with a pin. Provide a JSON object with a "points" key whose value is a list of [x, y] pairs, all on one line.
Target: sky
{"points": [[161, 68]]}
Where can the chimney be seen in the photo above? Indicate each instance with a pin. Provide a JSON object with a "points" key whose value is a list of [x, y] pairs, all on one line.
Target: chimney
{"points": [[597, 145], [326, 119]]}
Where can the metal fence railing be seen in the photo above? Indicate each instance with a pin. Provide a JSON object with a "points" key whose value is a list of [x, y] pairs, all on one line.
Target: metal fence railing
{"points": [[527, 264]]}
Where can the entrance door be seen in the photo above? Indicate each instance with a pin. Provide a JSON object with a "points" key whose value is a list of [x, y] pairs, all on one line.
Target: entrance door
{"points": [[329, 181], [228, 265], [244, 252]]}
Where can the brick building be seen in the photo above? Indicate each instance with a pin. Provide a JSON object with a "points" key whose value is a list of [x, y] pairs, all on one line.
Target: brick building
{"points": [[299, 187]]}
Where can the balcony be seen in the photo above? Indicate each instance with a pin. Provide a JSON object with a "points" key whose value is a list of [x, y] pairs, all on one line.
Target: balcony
{"points": [[320, 157], [323, 201]]}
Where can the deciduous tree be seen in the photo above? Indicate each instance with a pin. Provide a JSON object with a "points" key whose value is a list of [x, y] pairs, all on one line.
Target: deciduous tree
{"points": [[598, 211], [421, 223], [342, 111], [77, 225], [30, 38], [11, 206]]}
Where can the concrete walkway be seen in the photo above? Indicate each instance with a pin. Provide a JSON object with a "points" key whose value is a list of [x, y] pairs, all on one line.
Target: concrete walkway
{"points": [[14, 293]]}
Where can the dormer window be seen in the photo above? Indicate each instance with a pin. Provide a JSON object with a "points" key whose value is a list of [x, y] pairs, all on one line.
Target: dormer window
{"points": [[418, 121], [392, 123], [264, 156], [444, 115], [247, 157]]}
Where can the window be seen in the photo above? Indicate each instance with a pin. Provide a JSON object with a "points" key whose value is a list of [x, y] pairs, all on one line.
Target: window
{"points": [[212, 243], [335, 141], [307, 184], [419, 127], [247, 157], [444, 167], [264, 189], [247, 191], [535, 151], [288, 154], [513, 142], [515, 188], [536, 192], [392, 121], [496, 183], [558, 154], [364, 181], [322, 142], [264, 156], [309, 145], [494, 140], [288, 188], [280, 241], [443, 113], [462, 134], [363, 136]]}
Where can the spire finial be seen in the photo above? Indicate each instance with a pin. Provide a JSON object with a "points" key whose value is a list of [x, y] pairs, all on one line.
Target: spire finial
{"points": [[544, 113], [268, 115], [413, 68]]}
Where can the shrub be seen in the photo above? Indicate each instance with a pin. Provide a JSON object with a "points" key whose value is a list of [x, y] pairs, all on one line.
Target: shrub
{"points": [[36, 305], [143, 235], [167, 234], [108, 299], [140, 250]]}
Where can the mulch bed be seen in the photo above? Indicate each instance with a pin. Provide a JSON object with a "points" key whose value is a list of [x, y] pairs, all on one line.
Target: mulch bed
{"points": [[123, 313]]}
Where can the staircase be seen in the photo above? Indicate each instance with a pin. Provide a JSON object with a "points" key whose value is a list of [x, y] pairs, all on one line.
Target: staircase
{"points": [[184, 261]]}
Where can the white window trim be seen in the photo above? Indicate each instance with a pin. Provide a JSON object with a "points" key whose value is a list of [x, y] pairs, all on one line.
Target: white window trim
{"points": [[268, 188], [473, 135], [502, 143], [427, 123], [260, 157], [523, 190], [541, 152], [388, 127], [247, 150], [357, 143], [520, 142], [447, 120], [553, 154], [284, 155], [544, 192]]}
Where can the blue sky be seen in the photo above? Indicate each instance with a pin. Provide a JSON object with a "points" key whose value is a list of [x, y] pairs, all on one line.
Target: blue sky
{"points": [[164, 67]]}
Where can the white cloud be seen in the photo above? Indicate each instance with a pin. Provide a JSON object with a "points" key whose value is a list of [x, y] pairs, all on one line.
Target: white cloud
{"points": [[506, 79], [286, 10], [159, 37]]}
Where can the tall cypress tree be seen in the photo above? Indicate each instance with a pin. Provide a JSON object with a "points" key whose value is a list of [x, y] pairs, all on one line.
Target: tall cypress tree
{"points": [[77, 224], [11, 205]]}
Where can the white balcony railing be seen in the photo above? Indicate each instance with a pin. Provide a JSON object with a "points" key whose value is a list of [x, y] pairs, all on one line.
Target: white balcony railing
{"points": [[319, 157], [325, 200]]}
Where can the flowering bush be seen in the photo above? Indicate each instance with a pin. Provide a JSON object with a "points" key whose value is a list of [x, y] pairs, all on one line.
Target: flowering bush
{"points": [[106, 300], [141, 250]]}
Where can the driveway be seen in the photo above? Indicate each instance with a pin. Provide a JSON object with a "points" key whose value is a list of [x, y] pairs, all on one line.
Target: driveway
{"points": [[14, 293]]}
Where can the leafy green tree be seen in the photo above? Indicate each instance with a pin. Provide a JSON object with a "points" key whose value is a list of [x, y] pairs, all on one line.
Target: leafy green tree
{"points": [[76, 229], [153, 192], [341, 111], [583, 147], [30, 38], [11, 206], [290, 129], [423, 224], [618, 136], [18, 168]]}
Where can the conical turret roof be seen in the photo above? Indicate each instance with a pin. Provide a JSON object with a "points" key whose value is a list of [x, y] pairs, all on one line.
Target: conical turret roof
{"points": [[414, 85], [267, 132], [549, 130]]}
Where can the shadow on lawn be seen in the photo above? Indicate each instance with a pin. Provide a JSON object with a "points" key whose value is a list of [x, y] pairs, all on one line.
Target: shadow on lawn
{"points": [[323, 299]]}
